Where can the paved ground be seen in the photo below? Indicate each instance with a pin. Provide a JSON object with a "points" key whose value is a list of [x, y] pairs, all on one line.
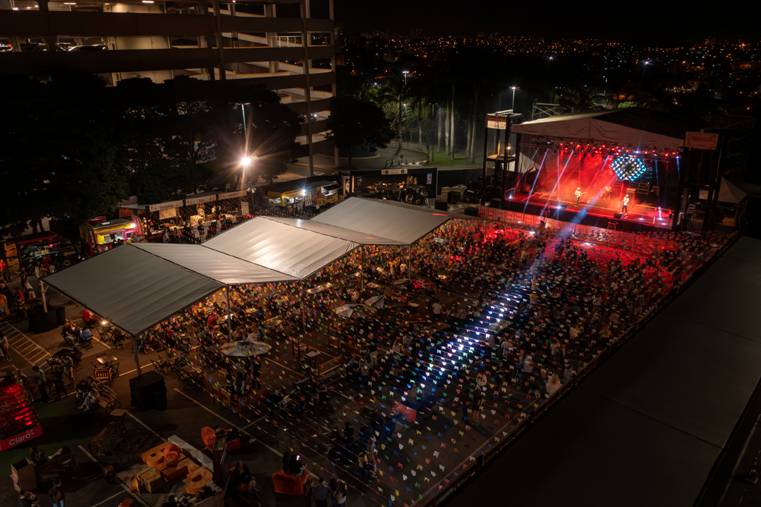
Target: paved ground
{"points": [[189, 409]]}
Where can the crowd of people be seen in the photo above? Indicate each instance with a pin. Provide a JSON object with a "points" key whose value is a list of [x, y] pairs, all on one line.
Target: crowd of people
{"points": [[480, 323], [449, 345]]}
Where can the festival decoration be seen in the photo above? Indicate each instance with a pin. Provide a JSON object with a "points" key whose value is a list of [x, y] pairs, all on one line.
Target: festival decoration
{"points": [[628, 167]]}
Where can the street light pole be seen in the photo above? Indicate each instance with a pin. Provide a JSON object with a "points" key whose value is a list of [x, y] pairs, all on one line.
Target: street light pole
{"points": [[512, 105], [405, 73]]}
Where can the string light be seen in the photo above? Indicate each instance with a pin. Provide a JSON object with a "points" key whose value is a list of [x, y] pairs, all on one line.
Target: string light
{"points": [[573, 147]]}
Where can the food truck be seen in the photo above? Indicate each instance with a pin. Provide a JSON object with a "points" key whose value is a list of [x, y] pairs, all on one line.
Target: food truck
{"points": [[100, 235]]}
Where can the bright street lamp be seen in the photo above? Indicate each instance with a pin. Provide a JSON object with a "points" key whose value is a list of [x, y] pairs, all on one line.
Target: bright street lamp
{"points": [[246, 161], [513, 88]]}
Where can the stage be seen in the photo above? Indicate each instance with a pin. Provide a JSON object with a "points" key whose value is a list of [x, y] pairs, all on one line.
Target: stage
{"points": [[605, 212]]}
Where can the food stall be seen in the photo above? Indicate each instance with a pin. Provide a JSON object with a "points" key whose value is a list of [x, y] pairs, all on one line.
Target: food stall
{"points": [[200, 208], [46, 248], [233, 205], [100, 235], [154, 219]]}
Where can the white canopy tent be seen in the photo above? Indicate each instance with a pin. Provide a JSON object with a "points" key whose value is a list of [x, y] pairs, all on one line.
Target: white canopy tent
{"points": [[221, 267], [136, 286], [132, 288], [337, 232], [401, 224], [280, 247]]}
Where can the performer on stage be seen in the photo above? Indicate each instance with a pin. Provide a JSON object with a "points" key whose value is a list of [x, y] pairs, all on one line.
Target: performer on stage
{"points": [[608, 192], [578, 193], [625, 205]]}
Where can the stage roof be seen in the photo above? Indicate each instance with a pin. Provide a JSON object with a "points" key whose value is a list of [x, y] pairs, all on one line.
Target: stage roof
{"points": [[138, 285], [386, 219], [291, 250], [131, 287], [635, 127]]}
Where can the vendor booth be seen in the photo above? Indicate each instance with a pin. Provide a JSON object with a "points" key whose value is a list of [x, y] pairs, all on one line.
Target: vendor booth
{"points": [[99, 235]]}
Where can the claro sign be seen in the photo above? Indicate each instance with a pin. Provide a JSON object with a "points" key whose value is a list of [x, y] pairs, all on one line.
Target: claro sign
{"points": [[21, 438]]}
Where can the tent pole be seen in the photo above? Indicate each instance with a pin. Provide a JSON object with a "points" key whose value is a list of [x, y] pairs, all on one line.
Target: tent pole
{"points": [[136, 354], [229, 315], [362, 269], [44, 299], [409, 263]]}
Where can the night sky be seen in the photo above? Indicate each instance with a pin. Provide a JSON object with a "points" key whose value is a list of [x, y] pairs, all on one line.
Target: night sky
{"points": [[632, 20]]}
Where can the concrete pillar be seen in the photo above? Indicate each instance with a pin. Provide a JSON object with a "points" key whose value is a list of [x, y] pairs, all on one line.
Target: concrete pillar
{"points": [[219, 41], [270, 10], [307, 85]]}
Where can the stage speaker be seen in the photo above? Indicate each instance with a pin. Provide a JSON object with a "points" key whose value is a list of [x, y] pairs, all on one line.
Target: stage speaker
{"points": [[148, 391], [471, 211], [442, 206], [617, 215], [453, 197], [40, 322]]}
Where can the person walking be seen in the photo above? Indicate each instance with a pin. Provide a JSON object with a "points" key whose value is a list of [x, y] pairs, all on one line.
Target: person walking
{"points": [[39, 377], [320, 492], [68, 368], [338, 492], [58, 383], [56, 494], [5, 348]]}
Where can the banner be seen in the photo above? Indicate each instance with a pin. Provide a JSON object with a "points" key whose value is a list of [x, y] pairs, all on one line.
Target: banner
{"points": [[189, 201], [164, 205], [167, 213], [232, 195], [701, 140]]}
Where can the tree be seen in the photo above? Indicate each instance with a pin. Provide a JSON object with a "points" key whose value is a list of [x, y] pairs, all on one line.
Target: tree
{"points": [[356, 123], [183, 133], [57, 157], [73, 147]]}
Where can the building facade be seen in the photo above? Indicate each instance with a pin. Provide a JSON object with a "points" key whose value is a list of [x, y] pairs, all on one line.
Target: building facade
{"points": [[286, 46]]}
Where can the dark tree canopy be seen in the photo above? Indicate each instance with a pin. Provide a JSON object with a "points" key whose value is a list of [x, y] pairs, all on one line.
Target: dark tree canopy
{"points": [[71, 147], [358, 123]]}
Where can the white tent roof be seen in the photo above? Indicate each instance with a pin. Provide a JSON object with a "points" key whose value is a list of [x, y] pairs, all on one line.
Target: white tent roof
{"points": [[280, 247], [635, 128], [138, 285], [132, 288], [385, 219], [224, 268], [362, 238]]}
